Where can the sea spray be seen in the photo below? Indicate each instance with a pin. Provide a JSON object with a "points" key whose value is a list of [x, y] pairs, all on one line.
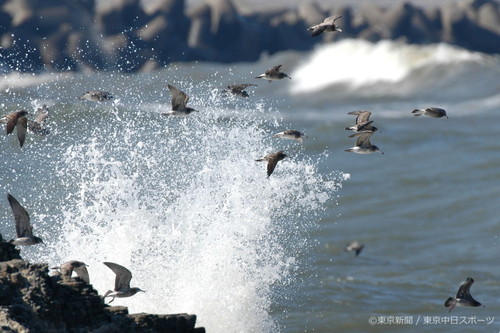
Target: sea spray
{"points": [[181, 203]]}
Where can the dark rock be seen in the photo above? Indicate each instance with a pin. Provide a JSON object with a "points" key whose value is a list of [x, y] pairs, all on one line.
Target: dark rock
{"points": [[489, 16], [8, 251], [31, 300]]}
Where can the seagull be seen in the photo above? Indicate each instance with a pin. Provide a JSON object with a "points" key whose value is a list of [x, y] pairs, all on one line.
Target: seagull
{"points": [[432, 112], [96, 96], [179, 101], [363, 122], [355, 246], [272, 159], [273, 73], [24, 229], [122, 282], [328, 24], [464, 297], [79, 267], [291, 135], [363, 145], [238, 89], [18, 120], [35, 126]]}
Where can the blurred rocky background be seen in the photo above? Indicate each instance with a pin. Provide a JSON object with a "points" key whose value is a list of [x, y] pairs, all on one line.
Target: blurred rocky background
{"points": [[129, 35]]}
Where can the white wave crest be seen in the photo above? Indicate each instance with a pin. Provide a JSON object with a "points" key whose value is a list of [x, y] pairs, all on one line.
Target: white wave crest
{"points": [[358, 63]]}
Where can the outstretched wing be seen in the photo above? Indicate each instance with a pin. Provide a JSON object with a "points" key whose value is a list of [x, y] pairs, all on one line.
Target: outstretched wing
{"points": [[179, 98], [331, 20], [22, 128], [21, 216], [123, 276], [464, 290], [240, 87], [274, 70], [362, 138]]}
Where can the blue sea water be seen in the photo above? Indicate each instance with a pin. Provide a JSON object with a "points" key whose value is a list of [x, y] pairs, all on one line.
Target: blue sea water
{"points": [[183, 204]]}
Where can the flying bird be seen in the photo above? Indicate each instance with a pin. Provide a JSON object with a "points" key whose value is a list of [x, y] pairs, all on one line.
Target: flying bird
{"points": [[328, 24], [272, 159], [80, 268], [463, 297], [273, 73], [239, 89], [179, 101], [96, 96], [24, 229], [363, 145], [363, 122], [122, 282], [17, 119], [432, 112], [355, 246], [35, 126], [291, 135]]}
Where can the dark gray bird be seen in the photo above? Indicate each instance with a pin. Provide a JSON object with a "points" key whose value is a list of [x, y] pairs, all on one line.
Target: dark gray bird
{"points": [[273, 73], [122, 282], [463, 297], [432, 112], [239, 89], [272, 159], [80, 268], [363, 122], [17, 120], [24, 229], [363, 145], [328, 24], [355, 246], [179, 101], [35, 126], [96, 96], [291, 135]]}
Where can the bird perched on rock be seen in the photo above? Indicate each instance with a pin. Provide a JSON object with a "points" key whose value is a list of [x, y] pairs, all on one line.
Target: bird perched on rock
{"points": [[273, 73], [35, 126], [17, 119], [239, 89], [363, 122], [179, 101], [328, 24], [24, 230], [96, 96], [291, 135], [80, 268], [272, 159], [363, 145], [463, 297], [122, 282], [432, 112]]}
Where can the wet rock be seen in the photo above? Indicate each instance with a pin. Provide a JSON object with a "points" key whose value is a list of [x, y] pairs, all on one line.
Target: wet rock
{"points": [[31, 300]]}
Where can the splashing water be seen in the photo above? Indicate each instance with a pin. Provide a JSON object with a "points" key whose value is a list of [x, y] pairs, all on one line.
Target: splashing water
{"points": [[179, 201]]}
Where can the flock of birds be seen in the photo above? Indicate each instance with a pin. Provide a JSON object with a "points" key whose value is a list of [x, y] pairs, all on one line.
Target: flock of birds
{"points": [[363, 131]]}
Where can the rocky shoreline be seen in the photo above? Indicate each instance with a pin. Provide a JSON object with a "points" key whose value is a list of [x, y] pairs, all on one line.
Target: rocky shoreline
{"points": [[72, 35], [32, 301]]}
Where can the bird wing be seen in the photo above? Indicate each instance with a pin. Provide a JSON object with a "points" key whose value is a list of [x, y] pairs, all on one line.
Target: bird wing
{"points": [[362, 138], [271, 165], [275, 69], [22, 127], [464, 290], [21, 216], [240, 87], [82, 272], [331, 20], [363, 117], [11, 121], [123, 276], [179, 99]]}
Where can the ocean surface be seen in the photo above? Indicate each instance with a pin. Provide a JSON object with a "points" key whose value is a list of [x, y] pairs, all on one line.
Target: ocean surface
{"points": [[182, 203]]}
